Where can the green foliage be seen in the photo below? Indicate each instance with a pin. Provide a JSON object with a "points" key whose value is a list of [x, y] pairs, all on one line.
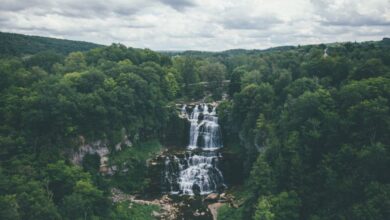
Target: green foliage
{"points": [[48, 101], [62, 178], [283, 206], [311, 131], [261, 181], [86, 201], [131, 163], [235, 81], [318, 128], [230, 213], [173, 86], [200, 77], [127, 210], [214, 74], [9, 207], [44, 60], [75, 62], [30, 200], [19, 44]]}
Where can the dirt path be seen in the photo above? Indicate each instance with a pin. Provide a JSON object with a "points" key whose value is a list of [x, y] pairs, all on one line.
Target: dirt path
{"points": [[214, 209]]}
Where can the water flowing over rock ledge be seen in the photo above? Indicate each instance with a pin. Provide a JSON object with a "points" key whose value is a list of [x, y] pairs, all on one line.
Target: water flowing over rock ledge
{"points": [[197, 170]]}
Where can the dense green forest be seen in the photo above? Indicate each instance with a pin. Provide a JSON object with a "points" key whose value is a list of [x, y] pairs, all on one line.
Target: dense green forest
{"points": [[313, 130], [310, 128], [24, 45]]}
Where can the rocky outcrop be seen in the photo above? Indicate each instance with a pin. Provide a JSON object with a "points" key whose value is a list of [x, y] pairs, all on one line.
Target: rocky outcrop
{"points": [[124, 143], [215, 201], [97, 147], [213, 197], [100, 148]]}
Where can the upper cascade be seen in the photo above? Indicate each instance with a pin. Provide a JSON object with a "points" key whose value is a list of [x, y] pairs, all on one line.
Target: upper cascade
{"points": [[205, 132]]}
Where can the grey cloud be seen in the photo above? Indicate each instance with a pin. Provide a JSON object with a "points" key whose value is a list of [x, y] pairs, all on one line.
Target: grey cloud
{"points": [[256, 23], [86, 9], [4, 20], [258, 35], [355, 20], [178, 5], [55, 32], [126, 11], [137, 26], [74, 8], [200, 24], [7, 23], [12, 5], [380, 32], [347, 14], [192, 35]]}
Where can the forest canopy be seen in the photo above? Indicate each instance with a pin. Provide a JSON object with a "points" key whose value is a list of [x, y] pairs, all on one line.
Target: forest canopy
{"points": [[310, 129]]}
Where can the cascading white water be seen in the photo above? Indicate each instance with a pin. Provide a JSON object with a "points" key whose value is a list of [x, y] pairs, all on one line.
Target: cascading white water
{"points": [[198, 169], [183, 110], [194, 128], [204, 133]]}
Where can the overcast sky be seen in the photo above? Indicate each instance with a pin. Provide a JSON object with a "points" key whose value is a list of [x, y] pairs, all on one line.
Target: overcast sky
{"points": [[199, 24]]}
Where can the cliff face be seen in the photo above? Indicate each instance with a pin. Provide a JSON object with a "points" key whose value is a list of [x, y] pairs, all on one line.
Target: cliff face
{"points": [[101, 148]]}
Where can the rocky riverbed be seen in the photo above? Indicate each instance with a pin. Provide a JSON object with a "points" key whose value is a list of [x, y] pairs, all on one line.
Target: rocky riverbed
{"points": [[174, 207]]}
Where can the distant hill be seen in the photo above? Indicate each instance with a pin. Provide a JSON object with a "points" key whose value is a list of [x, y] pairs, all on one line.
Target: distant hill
{"points": [[18, 44], [231, 52], [385, 42]]}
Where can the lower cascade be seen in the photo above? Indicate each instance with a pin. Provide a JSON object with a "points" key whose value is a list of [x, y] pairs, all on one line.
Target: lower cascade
{"points": [[196, 171]]}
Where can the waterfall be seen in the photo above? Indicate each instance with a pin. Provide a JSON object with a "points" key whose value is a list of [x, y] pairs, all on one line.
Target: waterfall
{"points": [[204, 133], [197, 169], [184, 110], [194, 128]]}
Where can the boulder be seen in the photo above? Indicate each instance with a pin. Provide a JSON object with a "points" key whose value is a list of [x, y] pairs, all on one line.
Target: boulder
{"points": [[213, 197], [156, 214]]}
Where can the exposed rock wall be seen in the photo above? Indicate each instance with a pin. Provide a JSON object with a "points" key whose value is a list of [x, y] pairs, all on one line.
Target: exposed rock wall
{"points": [[101, 148]]}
